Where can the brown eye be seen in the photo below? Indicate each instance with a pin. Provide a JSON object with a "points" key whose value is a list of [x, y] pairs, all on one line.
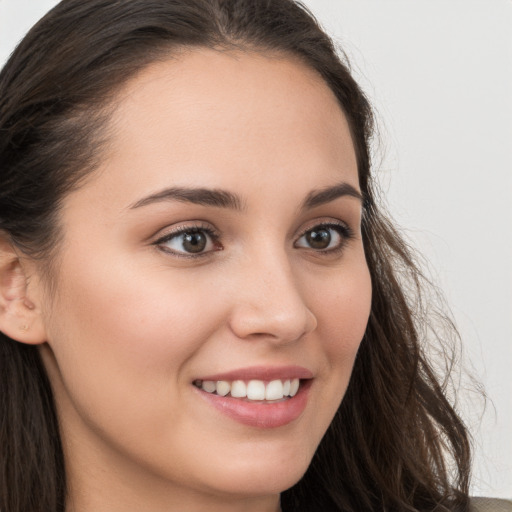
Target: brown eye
{"points": [[319, 238], [189, 241], [324, 237], [194, 242]]}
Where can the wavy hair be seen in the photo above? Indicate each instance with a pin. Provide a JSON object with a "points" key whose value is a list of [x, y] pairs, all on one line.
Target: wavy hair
{"points": [[396, 443]]}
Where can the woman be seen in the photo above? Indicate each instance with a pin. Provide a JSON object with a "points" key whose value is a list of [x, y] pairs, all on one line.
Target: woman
{"points": [[202, 305]]}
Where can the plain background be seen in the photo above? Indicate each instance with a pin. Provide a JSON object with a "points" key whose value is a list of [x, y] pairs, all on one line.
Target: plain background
{"points": [[439, 73]]}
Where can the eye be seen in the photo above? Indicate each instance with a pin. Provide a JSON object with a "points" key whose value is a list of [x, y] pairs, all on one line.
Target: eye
{"points": [[189, 241], [325, 237]]}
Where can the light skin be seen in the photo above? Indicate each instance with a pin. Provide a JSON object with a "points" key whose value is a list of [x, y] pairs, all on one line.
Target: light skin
{"points": [[134, 321]]}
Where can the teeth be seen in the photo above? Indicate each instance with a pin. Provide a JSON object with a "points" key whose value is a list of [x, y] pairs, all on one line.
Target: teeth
{"points": [[253, 390], [238, 389], [274, 390], [256, 390], [209, 386], [223, 387], [294, 387]]}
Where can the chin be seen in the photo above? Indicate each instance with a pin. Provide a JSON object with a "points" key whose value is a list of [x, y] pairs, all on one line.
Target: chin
{"points": [[261, 477], [259, 484]]}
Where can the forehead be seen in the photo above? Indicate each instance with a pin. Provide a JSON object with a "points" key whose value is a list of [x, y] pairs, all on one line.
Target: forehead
{"points": [[227, 119]]}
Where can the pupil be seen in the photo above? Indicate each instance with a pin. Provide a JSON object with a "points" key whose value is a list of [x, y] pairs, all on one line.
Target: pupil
{"points": [[319, 239], [194, 242]]}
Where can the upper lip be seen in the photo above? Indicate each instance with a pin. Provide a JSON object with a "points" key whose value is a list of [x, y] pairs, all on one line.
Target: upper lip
{"points": [[265, 373]]}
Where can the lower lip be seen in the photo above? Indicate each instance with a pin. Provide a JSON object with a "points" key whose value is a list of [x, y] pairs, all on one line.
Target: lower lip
{"points": [[261, 414]]}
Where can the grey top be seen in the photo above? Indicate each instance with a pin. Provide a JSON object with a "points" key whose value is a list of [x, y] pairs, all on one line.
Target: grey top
{"points": [[490, 505]]}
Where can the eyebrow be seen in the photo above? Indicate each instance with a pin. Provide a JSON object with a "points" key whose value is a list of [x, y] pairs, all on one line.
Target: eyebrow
{"points": [[225, 199], [328, 194], [200, 196]]}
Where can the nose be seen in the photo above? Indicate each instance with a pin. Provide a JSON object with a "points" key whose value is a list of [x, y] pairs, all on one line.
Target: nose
{"points": [[269, 304]]}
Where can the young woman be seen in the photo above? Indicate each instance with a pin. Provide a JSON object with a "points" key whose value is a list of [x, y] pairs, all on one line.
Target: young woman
{"points": [[202, 305]]}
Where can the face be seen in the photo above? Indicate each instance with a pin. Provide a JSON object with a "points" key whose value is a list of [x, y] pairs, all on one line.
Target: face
{"points": [[219, 242]]}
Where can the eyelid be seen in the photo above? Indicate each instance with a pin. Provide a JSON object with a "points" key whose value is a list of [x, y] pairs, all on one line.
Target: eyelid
{"points": [[327, 223], [344, 230], [181, 229]]}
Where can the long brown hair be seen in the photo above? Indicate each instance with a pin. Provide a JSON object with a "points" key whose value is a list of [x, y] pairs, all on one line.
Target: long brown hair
{"points": [[396, 443]]}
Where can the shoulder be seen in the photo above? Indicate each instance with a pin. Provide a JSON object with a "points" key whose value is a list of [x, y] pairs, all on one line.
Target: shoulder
{"points": [[490, 505]]}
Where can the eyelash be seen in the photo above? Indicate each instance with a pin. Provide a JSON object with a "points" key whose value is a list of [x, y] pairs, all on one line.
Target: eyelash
{"points": [[182, 230], [344, 231]]}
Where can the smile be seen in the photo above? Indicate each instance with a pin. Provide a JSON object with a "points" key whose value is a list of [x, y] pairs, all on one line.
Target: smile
{"points": [[254, 390], [261, 397]]}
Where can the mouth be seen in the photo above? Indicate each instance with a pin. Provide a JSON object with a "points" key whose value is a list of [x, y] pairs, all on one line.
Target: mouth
{"points": [[253, 390], [258, 397]]}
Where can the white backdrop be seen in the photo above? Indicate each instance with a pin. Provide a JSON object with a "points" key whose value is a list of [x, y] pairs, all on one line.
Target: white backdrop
{"points": [[440, 75]]}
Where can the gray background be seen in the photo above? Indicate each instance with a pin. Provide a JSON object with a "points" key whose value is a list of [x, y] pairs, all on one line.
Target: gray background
{"points": [[440, 75]]}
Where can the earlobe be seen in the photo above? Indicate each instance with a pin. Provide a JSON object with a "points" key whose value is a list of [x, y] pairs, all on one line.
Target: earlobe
{"points": [[20, 316]]}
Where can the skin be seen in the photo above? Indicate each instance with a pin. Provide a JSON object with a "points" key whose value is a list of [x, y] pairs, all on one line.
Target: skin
{"points": [[132, 324]]}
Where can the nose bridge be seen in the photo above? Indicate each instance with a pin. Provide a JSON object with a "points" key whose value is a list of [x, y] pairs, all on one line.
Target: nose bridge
{"points": [[270, 303]]}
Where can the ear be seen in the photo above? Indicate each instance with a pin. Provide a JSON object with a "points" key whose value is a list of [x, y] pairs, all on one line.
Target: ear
{"points": [[20, 313]]}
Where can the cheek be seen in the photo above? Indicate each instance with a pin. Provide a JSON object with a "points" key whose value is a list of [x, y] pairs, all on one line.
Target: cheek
{"points": [[137, 314], [342, 312], [121, 345], [343, 309]]}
